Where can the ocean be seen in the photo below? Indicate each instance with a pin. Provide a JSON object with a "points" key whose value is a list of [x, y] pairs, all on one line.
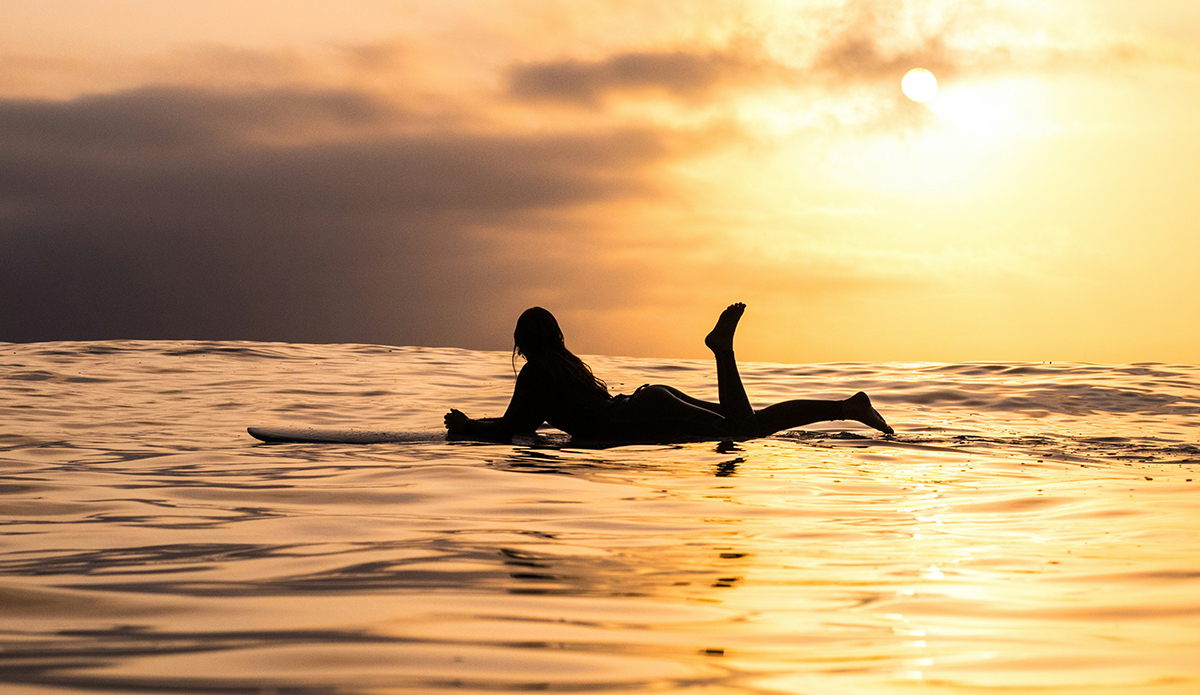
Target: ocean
{"points": [[1030, 528]]}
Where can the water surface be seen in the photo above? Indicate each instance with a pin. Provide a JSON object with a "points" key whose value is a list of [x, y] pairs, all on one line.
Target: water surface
{"points": [[1031, 528]]}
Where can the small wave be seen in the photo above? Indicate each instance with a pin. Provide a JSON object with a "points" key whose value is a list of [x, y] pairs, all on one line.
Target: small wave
{"points": [[222, 348], [43, 375], [37, 375]]}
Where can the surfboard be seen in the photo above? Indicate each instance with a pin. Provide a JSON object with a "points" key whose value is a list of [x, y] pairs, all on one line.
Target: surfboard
{"points": [[313, 435], [316, 435]]}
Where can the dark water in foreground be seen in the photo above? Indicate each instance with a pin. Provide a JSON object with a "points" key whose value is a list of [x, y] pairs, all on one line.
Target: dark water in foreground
{"points": [[1031, 528]]}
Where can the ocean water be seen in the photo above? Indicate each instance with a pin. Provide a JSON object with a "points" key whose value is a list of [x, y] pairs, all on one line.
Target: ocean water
{"points": [[1031, 528]]}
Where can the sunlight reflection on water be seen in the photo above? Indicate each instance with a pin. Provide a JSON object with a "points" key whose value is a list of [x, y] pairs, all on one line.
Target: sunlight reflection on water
{"points": [[1031, 527]]}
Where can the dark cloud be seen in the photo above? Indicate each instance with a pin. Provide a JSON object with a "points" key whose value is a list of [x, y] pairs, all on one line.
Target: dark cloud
{"points": [[164, 117], [681, 74], [170, 213]]}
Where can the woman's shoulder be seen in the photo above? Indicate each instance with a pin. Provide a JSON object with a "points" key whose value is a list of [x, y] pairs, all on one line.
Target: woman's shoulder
{"points": [[535, 374], [533, 369]]}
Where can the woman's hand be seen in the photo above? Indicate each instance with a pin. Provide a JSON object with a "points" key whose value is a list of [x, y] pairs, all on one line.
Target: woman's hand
{"points": [[456, 421]]}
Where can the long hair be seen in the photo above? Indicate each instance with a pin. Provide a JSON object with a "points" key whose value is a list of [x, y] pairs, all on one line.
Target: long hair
{"points": [[539, 340]]}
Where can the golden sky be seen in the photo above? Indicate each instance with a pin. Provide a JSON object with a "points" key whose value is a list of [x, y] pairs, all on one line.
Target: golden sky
{"points": [[419, 173]]}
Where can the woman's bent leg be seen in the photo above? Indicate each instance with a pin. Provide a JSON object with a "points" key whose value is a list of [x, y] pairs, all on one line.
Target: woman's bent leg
{"points": [[734, 402]]}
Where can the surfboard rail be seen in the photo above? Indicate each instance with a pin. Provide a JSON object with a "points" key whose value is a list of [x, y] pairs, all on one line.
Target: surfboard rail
{"points": [[316, 435]]}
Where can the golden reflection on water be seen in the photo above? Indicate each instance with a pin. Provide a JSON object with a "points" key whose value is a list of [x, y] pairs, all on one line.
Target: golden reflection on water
{"points": [[999, 552]]}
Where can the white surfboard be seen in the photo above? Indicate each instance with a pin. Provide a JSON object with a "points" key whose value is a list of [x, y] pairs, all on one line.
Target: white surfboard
{"points": [[313, 435]]}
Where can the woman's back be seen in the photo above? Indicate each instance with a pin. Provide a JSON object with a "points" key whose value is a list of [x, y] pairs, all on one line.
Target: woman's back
{"points": [[540, 396]]}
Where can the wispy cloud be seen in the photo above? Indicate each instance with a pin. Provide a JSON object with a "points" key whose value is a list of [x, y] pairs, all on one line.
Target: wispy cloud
{"points": [[860, 42]]}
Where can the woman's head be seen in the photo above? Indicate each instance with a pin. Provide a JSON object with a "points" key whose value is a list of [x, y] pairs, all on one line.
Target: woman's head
{"points": [[538, 338], [537, 334]]}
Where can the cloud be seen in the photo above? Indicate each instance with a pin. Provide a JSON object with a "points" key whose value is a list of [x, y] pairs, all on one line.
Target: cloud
{"points": [[176, 213], [859, 58], [687, 75], [832, 47], [172, 117], [860, 42], [870, 39]]}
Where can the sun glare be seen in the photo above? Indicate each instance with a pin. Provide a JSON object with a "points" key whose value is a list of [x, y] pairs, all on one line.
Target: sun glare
{"points": [[919, 85], [971, 133]]}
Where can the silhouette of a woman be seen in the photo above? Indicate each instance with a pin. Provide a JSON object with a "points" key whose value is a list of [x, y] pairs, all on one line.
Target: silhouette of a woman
{"points": [[556, 387]]}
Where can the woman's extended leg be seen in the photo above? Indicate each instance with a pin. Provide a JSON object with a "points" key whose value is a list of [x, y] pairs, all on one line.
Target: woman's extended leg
{"points": [[789, 414], [734, 402]]}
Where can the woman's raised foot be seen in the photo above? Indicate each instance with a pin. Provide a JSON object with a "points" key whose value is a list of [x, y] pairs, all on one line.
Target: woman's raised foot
{"points": [[858, 407], [720, 338]]}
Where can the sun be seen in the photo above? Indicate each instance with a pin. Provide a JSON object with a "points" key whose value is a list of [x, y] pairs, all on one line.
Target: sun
{"points": [[919, 85]]}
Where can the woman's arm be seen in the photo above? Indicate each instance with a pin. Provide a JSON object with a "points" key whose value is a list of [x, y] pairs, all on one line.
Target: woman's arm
{"points": [[526, 412], [490, 429]]}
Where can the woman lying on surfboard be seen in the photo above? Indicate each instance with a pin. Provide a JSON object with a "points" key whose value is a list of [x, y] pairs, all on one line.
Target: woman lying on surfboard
{"points": [[556, 387]]}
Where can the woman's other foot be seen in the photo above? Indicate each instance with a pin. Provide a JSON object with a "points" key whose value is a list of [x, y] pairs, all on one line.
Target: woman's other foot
{"points": [[858, 407], [720, 338]]}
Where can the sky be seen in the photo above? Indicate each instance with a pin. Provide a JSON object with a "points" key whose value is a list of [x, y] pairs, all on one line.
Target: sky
{"points": [[416, 173]]}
